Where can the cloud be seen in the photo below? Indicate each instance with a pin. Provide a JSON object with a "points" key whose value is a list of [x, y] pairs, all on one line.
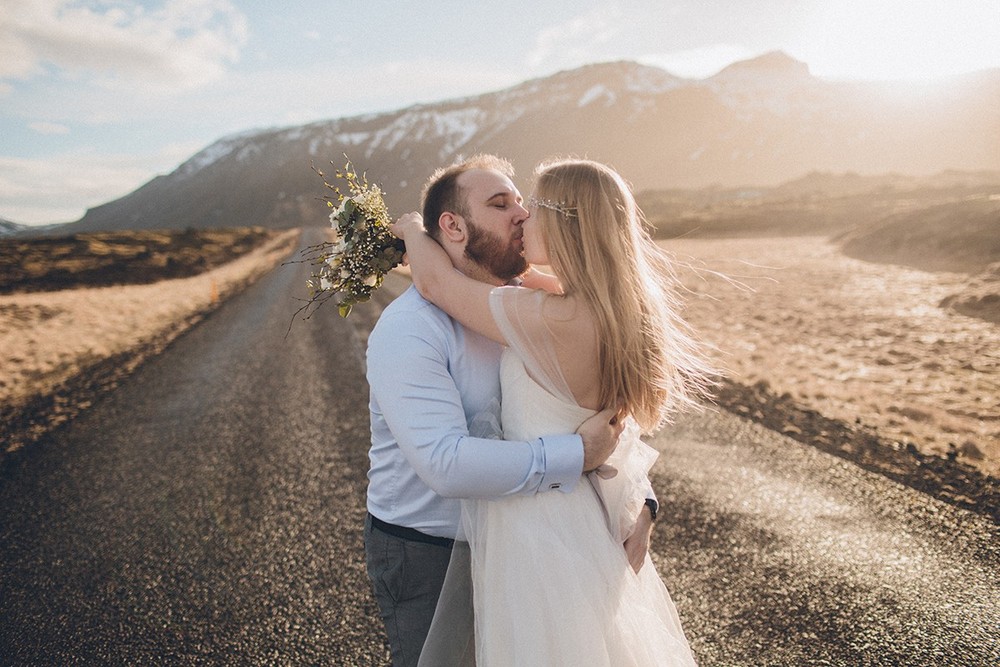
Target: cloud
{"points": [[59, 188], [183, 44], [45, 127], [577, 40]]}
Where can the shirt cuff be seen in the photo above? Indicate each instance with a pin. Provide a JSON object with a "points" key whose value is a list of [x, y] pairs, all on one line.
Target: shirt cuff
{"points": [[563, 462]]}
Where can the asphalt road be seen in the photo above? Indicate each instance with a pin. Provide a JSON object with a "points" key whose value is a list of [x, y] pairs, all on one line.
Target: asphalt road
{"points": [[208, 512]]}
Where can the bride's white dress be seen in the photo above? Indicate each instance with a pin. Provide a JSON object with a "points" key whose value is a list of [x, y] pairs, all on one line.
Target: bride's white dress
{"points": [[551, 581]]}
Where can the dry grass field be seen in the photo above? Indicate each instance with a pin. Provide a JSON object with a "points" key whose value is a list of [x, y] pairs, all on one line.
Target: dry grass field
{"points": [[63, 344], [860, 342]]}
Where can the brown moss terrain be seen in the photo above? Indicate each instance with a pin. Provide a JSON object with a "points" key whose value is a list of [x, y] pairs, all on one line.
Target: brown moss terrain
{"points": [[100, 259], [854, 357]]}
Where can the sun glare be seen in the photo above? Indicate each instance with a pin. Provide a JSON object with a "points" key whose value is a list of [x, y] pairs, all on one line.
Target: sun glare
{"points": [[700, 62], [900, 39]]}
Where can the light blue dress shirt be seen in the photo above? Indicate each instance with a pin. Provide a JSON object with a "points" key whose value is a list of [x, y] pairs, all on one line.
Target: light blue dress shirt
{"points": [[430, 378]]}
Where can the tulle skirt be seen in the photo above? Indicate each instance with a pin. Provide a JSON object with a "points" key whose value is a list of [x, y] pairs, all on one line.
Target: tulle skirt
{"points": [[552, 586]]}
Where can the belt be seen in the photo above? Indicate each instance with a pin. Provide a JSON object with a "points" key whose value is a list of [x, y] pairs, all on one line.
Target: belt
{"points": [[404, 533]]}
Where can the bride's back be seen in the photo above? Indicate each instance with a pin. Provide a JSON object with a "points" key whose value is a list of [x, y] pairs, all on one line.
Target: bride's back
{"points": [[577, 348]]}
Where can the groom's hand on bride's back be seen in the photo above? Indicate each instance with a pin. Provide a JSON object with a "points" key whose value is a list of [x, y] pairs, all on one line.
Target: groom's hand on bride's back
{"points": [[600, 437]]}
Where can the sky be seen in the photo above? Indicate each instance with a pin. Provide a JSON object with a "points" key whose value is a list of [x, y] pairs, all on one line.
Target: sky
{"points": [[99, 96]]}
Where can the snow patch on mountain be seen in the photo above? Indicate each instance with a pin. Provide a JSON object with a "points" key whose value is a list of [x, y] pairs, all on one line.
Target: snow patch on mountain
{"points": [[352, 138], [217, 151], [595, 93], [458, 126], [423, 125], [248, 151]]}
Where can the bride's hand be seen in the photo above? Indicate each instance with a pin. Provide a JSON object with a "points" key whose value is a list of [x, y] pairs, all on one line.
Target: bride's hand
{"points": [[535, 279], [637, 544], [407, 223]]}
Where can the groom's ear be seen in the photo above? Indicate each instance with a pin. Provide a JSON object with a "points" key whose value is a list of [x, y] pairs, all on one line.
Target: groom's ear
{"points": [[452, 227]]}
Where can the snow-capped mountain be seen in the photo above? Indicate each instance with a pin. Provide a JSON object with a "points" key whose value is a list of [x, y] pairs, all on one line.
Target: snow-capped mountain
{"points": [[757, 122]]}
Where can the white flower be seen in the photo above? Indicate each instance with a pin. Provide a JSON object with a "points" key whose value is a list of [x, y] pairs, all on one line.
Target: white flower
{"points": [[345, 274], [336, 214], [371, 280], [370, 196], [325, 283]]}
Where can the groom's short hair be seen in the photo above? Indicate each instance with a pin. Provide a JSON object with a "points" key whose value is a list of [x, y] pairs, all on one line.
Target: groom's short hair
{"points": [[441, 193]]}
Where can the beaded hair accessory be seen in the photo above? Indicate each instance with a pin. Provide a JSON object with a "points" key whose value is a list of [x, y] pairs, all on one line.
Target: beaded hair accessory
{"points": [[558, 206]]}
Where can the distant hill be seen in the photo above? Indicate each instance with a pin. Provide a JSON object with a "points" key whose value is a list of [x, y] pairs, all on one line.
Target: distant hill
{"points": [[760, 122], [948, 183], [961, 236], [8, 228], [823, 204]]}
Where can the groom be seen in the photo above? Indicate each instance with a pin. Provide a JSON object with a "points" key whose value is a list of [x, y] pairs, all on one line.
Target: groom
{"points": [[434, 405]]}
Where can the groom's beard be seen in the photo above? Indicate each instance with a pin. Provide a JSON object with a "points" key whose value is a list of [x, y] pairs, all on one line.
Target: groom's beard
{"points": [[490, 252]]}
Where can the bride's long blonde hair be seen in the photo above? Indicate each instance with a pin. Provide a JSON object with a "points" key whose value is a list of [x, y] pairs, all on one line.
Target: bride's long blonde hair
{"points": [[650, 363]]}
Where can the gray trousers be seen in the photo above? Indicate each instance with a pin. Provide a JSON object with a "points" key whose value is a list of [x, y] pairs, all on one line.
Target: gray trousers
{"points": [[407, 577]]}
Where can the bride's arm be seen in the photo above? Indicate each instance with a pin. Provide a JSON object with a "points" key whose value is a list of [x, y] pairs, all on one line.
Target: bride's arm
{"points": [[465, 299]]}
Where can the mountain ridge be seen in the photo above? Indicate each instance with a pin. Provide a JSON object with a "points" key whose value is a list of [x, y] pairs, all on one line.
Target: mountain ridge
{"points": [[10, 228], [762, 122]]}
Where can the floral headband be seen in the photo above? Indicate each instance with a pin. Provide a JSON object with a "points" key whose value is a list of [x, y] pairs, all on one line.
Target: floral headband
{"points": [[558, 206]]}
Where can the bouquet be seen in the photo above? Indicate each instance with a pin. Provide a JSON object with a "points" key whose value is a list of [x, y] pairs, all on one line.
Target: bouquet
{"points": [[349, 268]]}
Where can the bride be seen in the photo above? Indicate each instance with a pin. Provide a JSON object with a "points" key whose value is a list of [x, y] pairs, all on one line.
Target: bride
{"points": [[552, 582]]}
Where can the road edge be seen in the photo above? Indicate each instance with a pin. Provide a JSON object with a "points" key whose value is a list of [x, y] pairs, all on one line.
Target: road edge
{"points": [[33, 418]]}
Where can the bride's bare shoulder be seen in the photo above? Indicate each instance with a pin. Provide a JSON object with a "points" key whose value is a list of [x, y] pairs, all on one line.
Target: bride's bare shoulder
{"points": [[570, 319], [565, 319]]}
